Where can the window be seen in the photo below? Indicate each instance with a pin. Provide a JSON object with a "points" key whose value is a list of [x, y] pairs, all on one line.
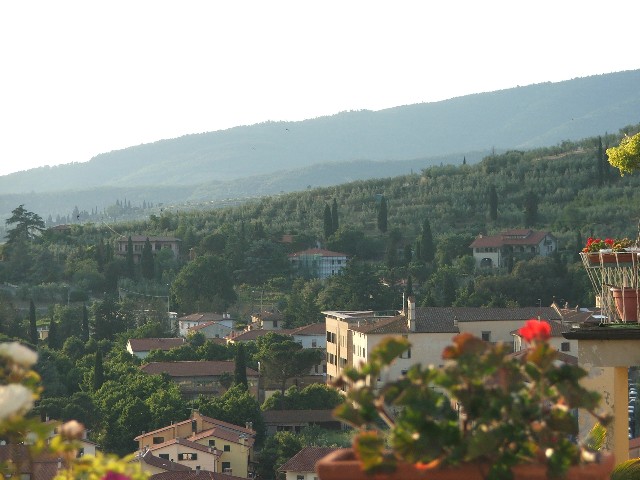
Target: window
{"points": [[227, 448], [226, 466], [275, 324], [187, 456], [164, 456], [299, 477], [157, 440], [565, 347], [314, 343], [486, 336], [212, 443]]}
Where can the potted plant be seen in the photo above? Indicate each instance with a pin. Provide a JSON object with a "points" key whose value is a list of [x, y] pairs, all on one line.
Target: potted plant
{"points": [[613, 251], [484, 414]]}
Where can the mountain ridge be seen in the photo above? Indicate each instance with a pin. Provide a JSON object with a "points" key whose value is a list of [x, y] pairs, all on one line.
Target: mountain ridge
{"points": [[524, 117]]}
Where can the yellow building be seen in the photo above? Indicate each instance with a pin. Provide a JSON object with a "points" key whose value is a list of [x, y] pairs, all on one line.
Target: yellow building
{"points": [[203, 443]]}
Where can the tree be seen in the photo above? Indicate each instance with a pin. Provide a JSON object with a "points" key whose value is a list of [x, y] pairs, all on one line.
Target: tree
{"points": [[33, 329], [530, 209], [328, 223], [98, 371], [427, 248], [282, 359], [52, 339], [240, 371], [129, 259], [382, 215], [334, 216], [493, 203], [146, 261], [204, 284], [27, 225], [84, 330]]}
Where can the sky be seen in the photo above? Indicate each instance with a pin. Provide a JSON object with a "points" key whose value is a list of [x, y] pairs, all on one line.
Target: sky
{"points": [[79, 78]]}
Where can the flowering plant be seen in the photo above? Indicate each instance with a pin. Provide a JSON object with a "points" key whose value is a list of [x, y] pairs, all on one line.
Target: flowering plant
{"points": [[484, 405], [594, 245], [19, 389]]}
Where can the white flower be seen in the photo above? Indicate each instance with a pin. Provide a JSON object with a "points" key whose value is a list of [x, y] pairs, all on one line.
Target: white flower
{"points": [[19, 354], [14, 398]]}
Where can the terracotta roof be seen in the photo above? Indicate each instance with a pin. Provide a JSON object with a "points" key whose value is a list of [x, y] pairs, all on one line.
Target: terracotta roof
{"points": [[476, 314], [305, 460], [510, 237], [150, 459], [317, 251], [148, 344], [396, 324], [203, 317], [298, 416], [41, 467], [193, 475], [209, 423], [557, 328], [319, 328], [193, 368], [200, 326]]}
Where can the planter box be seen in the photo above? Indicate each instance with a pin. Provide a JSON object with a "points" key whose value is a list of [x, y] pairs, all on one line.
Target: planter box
{"points": [[343, 465]]}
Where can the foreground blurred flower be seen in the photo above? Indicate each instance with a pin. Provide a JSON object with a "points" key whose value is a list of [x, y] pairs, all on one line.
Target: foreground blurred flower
{"points": [[15, 399], [534, 330], [20, 354]]}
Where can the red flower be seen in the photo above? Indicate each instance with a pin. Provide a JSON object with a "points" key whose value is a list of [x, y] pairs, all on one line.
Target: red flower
{"points": [[609, 241], [535, 330], [115, 476]]}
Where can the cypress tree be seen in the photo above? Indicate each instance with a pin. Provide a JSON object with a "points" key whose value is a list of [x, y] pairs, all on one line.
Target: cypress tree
{"points": [[530, 209], [328, 223], [98, 371], [600, 166], [52, 339], [130, 264], [493, 203], [334, 217], [382, 215], [146, 261], [33, 329], [240, 372], [427, 249], [84, 332], [408, 291]]}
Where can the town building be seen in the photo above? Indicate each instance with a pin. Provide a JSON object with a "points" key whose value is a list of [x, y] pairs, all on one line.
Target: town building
{"points": [[317, 263], [302, 465], [224, 320], [203, 443], [197, 378], [157, 244], [495, 251], [141, 347]]}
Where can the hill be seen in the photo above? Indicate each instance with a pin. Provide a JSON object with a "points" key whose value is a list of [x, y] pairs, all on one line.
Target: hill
{"points": [[273, 157]]}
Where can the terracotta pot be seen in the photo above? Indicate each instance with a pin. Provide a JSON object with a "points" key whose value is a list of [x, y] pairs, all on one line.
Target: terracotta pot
{"points": [[342, 465], [626, 300]]}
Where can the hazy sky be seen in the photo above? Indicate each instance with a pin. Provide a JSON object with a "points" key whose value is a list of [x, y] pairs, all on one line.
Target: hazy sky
{"points": [[79, 78]]}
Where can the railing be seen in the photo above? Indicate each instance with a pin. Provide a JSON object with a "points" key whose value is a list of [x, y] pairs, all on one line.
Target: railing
{"points": [[616, 281]]}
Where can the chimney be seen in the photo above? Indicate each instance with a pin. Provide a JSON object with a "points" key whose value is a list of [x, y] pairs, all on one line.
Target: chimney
{"points": [[197, 469], [411, 313]]}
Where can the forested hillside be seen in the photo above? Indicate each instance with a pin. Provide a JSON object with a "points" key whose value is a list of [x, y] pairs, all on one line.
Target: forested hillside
{"points": [[408, 234]]}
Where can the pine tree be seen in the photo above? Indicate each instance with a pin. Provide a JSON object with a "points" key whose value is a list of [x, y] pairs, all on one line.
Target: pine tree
{"points": [[382, 215], [334, 217], [98, 371], [146, 261], [33, 329], [240, 371], [493, 203], [328, 223]]}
